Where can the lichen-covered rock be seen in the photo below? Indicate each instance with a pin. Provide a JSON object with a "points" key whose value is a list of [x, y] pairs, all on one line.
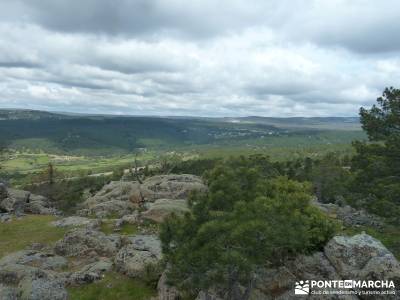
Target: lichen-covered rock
{"points": [[19, 201], [113, 200], [149, 243], [76, 221], [31, 283], [358, 257], [42, 260], [165, 291], [349, 215], [8, 292], [171, 186], [83, 242], [90, 273], [42, 288], [5, 217], [119, 198], [133, 258], [131, 219], [162, 208], [133, 262]]}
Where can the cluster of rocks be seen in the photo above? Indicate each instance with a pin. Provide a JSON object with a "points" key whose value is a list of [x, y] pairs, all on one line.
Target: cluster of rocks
{"points": [[42, 273], [19, 202], [156, 198], [349, 215], [360, 257], [85, 253]]}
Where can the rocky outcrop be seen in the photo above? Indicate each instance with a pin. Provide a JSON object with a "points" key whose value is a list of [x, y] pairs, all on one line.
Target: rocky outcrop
{"points": [[75, 221], [113, 200], [171, 187], [162, 208], [128, 219], [362, 257], [119, 198], [83, 242], [143, 250], [165, 291], [349, 215], [41, 260], [19, 201], [90, 273], [18, 281]]}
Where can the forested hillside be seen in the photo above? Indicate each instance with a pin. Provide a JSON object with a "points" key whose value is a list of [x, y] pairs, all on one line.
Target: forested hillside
{"points": [[106, 135]]}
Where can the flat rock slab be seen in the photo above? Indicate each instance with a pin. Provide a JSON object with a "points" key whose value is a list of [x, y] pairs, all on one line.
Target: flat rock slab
{"points": [[159, 210], [76, 221]]}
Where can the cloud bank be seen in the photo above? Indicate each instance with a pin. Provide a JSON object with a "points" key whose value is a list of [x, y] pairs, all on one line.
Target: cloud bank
{"points": [[204, 58]]}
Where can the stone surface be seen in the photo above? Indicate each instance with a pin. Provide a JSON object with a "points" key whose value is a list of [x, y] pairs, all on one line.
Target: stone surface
{"points": [[133, 258], [358, 257], [162, 208], [42, 260], [149, 243], [19, 201], [90, 273], [171, 187], [348, 215], [83, 242], [31, 283], [119, 198], [131, 219], [8, 292], [76, 221], [5, 217], [165, 291], [114, 199]]}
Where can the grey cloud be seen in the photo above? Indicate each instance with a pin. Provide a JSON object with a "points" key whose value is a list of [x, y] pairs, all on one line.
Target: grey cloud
{"points": [[272, 58]]}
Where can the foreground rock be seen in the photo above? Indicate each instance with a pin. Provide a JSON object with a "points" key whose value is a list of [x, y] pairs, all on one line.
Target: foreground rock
{"points": [[162, 208], [41, 260], [362, 257], [20, 280], [142, 251], [84, 242], [19, 201], [165, 291], [119, 198], [90, 273]]}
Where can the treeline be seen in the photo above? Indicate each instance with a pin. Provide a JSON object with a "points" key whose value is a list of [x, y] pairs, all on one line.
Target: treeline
{"points": [[370, 179]]}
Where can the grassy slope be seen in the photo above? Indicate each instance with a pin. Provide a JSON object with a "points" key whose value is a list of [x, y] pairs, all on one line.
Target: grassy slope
{"points": [[112, 286], [18, 234]]}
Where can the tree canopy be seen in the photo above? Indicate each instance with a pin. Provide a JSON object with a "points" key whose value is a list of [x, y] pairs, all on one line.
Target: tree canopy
{"points": [[250, 218], [377, 163]]}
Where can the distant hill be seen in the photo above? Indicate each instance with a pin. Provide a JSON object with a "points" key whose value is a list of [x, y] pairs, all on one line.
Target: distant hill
{"points": [[329, 123], [106, 134]]}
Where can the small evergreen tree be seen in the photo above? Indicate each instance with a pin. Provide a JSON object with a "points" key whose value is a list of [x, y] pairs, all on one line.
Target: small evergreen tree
{"points": [[377, 163], [247, 220]]}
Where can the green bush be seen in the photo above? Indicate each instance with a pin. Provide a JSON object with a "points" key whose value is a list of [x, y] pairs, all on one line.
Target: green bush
{"points": [[248, 218]]}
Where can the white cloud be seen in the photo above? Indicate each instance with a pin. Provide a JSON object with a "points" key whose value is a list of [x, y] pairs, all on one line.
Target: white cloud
{"points": [[272, 58]]}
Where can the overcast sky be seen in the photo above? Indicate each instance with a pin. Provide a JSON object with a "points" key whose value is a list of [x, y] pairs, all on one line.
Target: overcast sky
{"points": [[199, 57]]}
